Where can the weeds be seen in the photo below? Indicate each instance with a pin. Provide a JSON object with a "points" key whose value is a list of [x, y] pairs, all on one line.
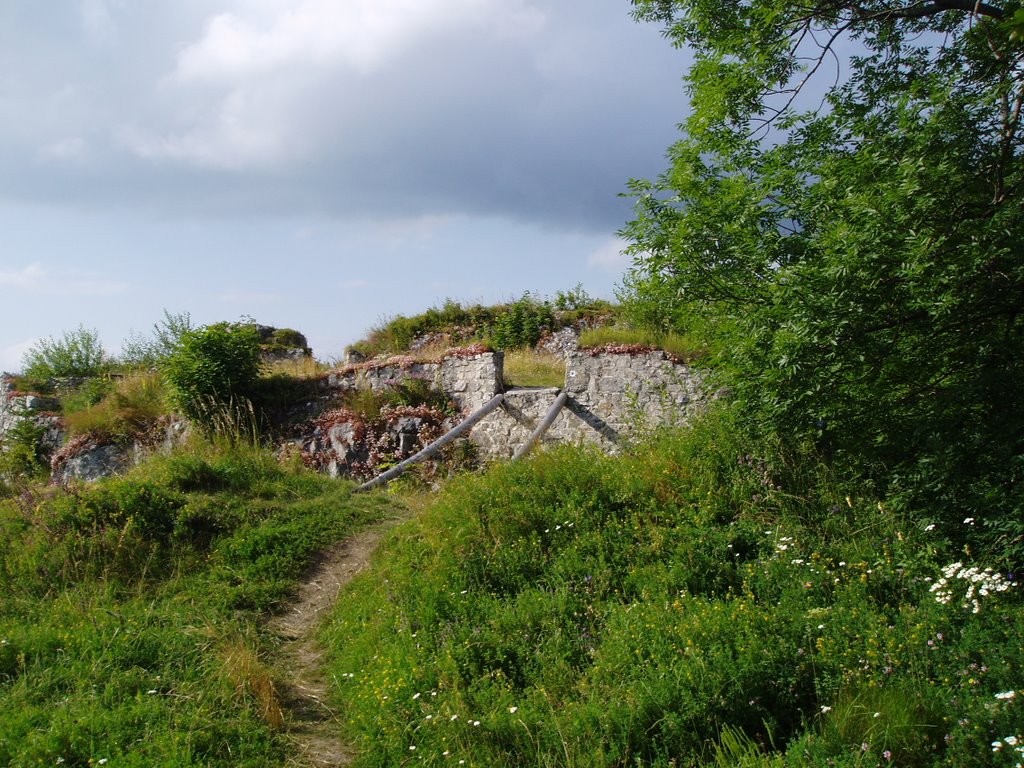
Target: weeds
{"points": [[130, 610], [526, 368], [704, 598], [616, 335]]}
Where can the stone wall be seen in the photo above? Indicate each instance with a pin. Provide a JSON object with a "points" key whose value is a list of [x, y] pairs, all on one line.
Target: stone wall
{"points": [[470, 378], [16, 406], [613, 397]]}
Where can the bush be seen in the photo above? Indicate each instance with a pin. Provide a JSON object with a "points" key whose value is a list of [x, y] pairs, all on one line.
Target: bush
{"points": [[76, 354], [522, 323], [213, 371]]}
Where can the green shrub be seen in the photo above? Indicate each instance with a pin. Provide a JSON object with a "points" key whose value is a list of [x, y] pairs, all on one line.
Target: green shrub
{"points": [[213, 371], [23, 454], [522, 323], [75, 354]]}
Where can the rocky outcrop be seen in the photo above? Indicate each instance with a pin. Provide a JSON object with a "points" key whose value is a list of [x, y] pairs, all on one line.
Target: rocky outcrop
{"points": [[41, 410]]}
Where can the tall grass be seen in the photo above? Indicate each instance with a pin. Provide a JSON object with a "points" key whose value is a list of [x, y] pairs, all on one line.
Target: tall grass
{"points": [[131, 611], [617, 335], [528, 368], [703, 599], [134, 402]]}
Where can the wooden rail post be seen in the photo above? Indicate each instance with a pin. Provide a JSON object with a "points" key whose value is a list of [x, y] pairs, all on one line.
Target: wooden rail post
{"points": [[434, 447], [546, 422]]}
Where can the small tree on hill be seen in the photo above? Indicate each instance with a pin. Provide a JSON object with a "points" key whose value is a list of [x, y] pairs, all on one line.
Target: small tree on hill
{"points": [[213, 371]]}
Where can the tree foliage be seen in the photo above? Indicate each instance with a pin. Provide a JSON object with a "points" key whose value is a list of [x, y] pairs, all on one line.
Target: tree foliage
{"points": [[213, 370], [857, 265], [76, 354]]}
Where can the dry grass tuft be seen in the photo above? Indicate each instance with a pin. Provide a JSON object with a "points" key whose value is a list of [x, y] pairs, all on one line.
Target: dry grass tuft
{"points": [[252, 678]]}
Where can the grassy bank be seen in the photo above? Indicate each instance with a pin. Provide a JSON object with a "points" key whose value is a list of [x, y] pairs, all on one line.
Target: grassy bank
{"points": [[703, 600], [131, 612]]}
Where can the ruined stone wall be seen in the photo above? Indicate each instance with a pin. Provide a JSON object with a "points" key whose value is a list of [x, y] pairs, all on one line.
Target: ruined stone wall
{"points": [[613, 397], [470, 380], [16, 406]]}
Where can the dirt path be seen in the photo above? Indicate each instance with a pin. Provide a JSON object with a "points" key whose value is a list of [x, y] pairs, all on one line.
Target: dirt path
{"points": [[310, 721]]}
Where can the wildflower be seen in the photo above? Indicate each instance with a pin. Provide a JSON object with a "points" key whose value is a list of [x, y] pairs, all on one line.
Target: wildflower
{"points": [[1006, 695], [864, 747], [476, 723], [412, 747], [513, 710], [826, 709], [453, 718], [968, 521], [930, 527], [415, 696], [887, 755], [101, 761]]}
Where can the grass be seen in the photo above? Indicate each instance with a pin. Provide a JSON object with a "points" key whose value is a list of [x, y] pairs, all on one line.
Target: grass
{"points": [[618, 335], [528, 368], [131, 404], [704, 599], [132, 612], [303, 368]]}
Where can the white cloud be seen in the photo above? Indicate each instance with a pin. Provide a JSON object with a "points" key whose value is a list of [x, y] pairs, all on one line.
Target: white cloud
{"points": [[275, 83], [359, 34], [610, 256], [26, 277]]}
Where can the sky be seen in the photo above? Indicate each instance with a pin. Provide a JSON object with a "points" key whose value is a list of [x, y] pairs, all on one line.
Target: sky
{"points": [[321, 165]]}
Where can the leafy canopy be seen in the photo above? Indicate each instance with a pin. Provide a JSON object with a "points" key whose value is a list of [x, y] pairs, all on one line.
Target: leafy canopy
{"points": [[78, 354], [213, 369], [857, 264]]}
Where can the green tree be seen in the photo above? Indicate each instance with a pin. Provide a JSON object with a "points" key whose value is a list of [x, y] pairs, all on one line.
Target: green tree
{"points": [[213, 371], [77, 353], [858, 266]]}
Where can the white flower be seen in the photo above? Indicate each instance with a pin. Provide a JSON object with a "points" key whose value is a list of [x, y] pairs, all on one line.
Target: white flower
{"points": [[968, 521], [930, 527], [1006, 695], [513, 710], [826, 709], [412, 747], [415, 696]]}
